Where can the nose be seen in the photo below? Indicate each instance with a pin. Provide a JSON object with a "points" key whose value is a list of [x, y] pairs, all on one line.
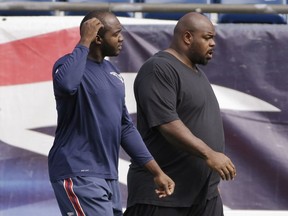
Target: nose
{"points": [[121, 38], [212, 43]]}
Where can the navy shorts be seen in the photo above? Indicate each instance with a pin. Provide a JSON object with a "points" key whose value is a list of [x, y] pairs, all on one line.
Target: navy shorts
{"points": [[88, 196], [212, 207]]}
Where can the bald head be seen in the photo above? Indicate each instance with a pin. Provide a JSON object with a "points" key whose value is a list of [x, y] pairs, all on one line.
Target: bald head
{"points": [[192, 22], [193, 39]]}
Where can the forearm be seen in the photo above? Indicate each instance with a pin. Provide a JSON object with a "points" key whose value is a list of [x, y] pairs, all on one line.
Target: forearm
{"points": [[84, 42], [181, 137], [131, 140], [153, 168], [134, 146]]}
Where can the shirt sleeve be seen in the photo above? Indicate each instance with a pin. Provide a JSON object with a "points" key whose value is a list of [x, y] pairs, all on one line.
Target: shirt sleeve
{"points": [[156, 93], [132, 142], [68, 71]]}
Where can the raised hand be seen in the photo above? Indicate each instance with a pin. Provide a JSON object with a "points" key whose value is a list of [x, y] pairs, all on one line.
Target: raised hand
{"points": [[89, 31]]}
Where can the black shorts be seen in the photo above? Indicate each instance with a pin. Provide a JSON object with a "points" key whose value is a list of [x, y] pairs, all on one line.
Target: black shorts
{"points": [[213, 207]]}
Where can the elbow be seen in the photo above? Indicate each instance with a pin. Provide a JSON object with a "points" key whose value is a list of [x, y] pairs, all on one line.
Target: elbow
{"points": [[65, 86], [69, 89]]}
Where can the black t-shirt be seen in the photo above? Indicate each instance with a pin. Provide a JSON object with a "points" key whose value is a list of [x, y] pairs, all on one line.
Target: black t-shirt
{"points": [[167, 90]]}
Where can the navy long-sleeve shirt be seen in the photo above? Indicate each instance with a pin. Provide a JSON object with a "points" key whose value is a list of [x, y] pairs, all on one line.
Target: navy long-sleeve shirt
{"points": [[92, 119]]}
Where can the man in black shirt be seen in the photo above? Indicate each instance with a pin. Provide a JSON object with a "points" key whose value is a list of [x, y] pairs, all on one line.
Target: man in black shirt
{"points": [[179, 119]]}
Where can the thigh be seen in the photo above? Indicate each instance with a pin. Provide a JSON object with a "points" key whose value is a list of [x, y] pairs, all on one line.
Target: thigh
{"points": [[84, 196], [116, 198], [152, 210], [212, 207]]}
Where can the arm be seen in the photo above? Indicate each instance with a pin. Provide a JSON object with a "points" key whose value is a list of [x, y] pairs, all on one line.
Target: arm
{"points": [[68, 72], [179, 135], [89, 31], [133, 144]]}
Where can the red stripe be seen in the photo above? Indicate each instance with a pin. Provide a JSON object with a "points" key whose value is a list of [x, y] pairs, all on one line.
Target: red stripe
{"points": [[68, 185], [31, 59]]}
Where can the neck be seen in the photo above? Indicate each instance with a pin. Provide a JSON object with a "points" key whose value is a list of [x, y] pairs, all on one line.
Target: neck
{"points": [[182, 58], [95, 54], [95, 58]]}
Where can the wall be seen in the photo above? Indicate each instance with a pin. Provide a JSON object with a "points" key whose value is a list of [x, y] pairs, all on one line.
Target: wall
{"points": [[249, 77]]}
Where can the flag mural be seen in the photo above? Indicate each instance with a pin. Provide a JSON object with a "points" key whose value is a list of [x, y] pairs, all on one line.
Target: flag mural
{"points": [[248, 75]]}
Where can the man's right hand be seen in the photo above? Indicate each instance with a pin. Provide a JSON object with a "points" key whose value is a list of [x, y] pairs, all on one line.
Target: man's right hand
{"points": [[89, 31]]}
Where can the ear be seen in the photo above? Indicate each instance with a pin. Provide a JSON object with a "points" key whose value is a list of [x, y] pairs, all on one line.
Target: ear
{"points": [[98, 40], [188, 37]]}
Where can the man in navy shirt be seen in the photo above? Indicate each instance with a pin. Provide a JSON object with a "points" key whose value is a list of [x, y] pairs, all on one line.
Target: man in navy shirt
{"points": [[92, 124]]}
